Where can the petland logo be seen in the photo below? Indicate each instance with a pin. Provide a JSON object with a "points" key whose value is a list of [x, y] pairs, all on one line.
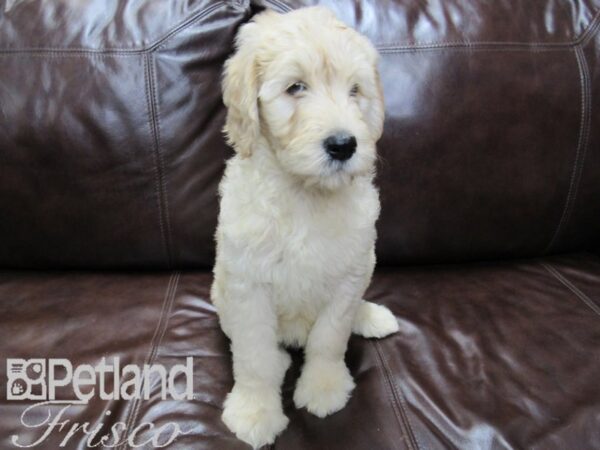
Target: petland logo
{"points": [[48, 381], [23, 377]]}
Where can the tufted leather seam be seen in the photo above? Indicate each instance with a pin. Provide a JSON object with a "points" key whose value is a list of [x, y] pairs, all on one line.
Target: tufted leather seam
{"points": [[62, 54], [458, 48], [591, 30], [57, 53], [128, 51], [157, 337], [280, 6], [383, 47], [160, 182], [581, 151], [390, 396], [396, 399], [157, 173], [583, 38], [574, 289], [186, 24]]}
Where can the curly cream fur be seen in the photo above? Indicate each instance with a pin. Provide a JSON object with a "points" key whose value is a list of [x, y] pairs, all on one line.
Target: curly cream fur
{"points": [[296, 234]]}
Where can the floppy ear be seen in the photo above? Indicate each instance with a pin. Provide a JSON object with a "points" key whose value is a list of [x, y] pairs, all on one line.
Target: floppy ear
{"points": [[376, 109], [240, 93]]}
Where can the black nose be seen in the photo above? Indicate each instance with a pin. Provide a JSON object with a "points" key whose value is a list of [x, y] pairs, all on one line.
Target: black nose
{"points": [[340, 146]]}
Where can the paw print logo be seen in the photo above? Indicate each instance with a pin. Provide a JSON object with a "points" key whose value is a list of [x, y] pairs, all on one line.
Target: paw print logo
{"points": [[26, 379], [17, 388]]}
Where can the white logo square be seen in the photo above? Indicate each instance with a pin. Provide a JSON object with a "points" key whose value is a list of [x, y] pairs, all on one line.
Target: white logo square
{"points": [[26, 379]]}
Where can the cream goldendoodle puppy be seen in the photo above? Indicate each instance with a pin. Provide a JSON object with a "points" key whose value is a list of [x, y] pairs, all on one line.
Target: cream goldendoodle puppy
{"points": [[296, 234]]}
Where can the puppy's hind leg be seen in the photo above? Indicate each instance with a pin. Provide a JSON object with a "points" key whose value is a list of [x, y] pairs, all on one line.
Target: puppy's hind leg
{"points": [[253, 409], [374, 321]]}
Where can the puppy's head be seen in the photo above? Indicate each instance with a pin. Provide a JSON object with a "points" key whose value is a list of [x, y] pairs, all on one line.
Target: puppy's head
{"points": [[308, 86]]}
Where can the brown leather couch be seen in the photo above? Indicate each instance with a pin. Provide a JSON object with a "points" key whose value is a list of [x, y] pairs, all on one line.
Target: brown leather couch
{"points": [[111, 151]]}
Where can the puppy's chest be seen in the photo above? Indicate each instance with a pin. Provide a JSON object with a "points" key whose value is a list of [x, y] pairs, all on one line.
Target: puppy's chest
{"points": [[314, 249]]}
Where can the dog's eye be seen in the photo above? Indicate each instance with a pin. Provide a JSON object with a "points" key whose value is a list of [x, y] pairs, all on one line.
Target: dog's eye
{"points": [[354, 91], [296, 88]]}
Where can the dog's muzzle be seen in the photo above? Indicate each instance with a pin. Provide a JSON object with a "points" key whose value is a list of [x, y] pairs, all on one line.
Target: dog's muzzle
{"points": [[340, 146]]}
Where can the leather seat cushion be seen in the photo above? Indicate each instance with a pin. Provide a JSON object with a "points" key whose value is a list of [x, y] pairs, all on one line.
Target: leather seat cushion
{"points": [[498, 355]]}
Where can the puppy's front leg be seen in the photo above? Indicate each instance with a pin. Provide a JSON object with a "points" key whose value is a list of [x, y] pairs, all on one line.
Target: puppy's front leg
{"points": [[253, 409], [325, 384]]}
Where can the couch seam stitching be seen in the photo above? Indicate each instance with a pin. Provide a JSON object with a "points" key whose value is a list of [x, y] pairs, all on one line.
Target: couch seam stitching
{"points": [[184, 24], [583, 38], [280, 5], [586, 37], [467, 48], [157, 193], [401, 407], [159, 177], [501, 47], [155, 342], [574, 289], [163, 178], [581, 150], [390, 396]]}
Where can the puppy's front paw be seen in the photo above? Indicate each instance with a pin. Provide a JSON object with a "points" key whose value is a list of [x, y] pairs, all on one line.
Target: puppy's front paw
{"points": [[324, 387], [374, 321], [255, 416]]}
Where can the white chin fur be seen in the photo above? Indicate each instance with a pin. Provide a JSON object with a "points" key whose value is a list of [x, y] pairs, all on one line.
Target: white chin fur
{"points": [[329, 175], [330, 182]]}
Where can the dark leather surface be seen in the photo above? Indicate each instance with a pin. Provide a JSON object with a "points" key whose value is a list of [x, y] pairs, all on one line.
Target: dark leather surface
{"points": [[499, 355], [489, 149], [110, 141], [111, 149]]}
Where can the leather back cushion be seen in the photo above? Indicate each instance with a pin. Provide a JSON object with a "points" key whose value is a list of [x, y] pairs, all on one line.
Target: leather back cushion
{"points": [[110, 141], [111, 150], [492, 139]]}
